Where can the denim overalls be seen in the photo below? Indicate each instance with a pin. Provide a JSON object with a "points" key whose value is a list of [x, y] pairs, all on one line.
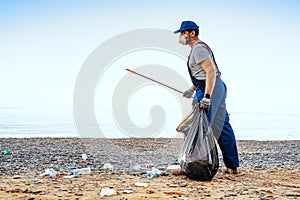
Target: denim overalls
{"points": [[218, 117]]}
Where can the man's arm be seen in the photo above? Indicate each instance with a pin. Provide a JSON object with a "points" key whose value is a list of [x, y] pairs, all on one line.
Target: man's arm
{"points": [[208, 66]]}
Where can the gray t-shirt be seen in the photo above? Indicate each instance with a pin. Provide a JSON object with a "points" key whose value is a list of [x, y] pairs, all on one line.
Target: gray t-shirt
{"points": [[199, 54]]}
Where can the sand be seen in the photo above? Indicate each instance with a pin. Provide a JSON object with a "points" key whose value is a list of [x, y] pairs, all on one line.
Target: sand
{"points": [[269, 170]]}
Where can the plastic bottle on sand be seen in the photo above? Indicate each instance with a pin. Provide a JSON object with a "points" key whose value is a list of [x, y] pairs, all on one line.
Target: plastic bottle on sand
{"points": [[50, 172], [84, 156], [81, 171], [153, 173]]}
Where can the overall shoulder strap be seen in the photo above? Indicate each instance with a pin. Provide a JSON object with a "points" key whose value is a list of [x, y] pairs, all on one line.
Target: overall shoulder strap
{"points": [[210, 51], [199, 83]]}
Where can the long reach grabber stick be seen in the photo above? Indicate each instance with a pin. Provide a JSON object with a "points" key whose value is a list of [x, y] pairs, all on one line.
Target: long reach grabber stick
{"points": [[130, 70]]}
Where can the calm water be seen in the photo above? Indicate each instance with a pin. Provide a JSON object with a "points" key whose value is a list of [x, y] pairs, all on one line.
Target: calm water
{"points": [[247, 126]]}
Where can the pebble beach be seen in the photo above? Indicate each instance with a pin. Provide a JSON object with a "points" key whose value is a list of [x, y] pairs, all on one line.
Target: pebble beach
{"points": [[268, 170]]}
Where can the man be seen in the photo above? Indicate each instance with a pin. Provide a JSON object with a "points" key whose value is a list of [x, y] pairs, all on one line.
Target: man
{"points": [[210, 92]]}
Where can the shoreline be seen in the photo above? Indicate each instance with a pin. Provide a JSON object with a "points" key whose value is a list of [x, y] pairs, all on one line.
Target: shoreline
{"points": [[269, 170]]}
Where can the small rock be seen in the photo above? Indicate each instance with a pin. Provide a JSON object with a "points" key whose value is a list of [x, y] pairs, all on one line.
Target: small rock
{"points": [[37, 192], [14, 191], [108, 166], [26, 191], [17, 177], [107, 192], [174, 192], [138, 184], [292, 195], [128, 191], [163, 173], [227, 195], [150, 191], [173, 185], [183, 184]]}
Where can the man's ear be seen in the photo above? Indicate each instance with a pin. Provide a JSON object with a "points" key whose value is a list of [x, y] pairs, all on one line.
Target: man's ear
{"points": [[192, 34]]}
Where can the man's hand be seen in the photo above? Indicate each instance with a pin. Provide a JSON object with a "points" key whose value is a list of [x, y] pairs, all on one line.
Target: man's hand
{"points": [[205, 103], [189, 93]]}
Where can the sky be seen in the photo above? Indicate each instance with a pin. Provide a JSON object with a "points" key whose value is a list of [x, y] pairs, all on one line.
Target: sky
{"points": [[43, 45]]}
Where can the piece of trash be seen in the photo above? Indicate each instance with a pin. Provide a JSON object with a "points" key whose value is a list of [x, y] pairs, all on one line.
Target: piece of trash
{"points": [[139, 184], [62, 169], [45, 173], [81, 171], [153, 173], [6, 152], [84, 156], [107, 192], [53, 173], [149, 165], [108, 166], [71, 167], [128, 191], [71, 176], [136, 168], [37, 181], [172, 167], [50, 172]]}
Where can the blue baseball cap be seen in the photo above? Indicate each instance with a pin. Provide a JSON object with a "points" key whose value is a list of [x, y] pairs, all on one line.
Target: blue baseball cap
{"points": [[187, 25]]}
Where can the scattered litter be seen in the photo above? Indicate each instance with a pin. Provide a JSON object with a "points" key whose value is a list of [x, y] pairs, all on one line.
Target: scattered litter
{"points": [[149, 165], [108, 166], [50, 172], [62, 169], [153, 173], [136, 168], [37, 181], [84, 156], [139, 184], [81, 171], [107, 192], [71, 176], [6, 152], [71, 167]]}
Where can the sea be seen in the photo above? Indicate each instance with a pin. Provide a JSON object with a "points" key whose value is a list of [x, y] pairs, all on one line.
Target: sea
{"points": [[16, 123]]}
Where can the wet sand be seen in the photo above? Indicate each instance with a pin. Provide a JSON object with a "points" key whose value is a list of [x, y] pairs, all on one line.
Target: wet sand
{"points": [[269, 170]]}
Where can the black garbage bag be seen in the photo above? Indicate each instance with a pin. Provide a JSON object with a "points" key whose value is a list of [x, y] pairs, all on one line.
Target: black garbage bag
{"points": [[199, 155]]}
